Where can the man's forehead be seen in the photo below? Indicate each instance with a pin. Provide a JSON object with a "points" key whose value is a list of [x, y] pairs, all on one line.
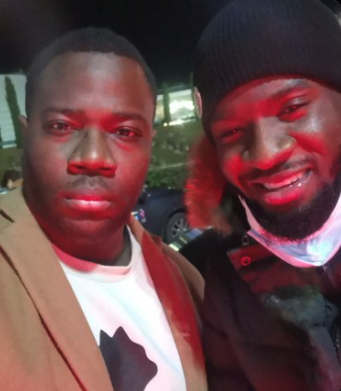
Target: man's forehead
{"points": [[272, 84], [94, 74], [92, 62], [264, 88], [78, 80]]}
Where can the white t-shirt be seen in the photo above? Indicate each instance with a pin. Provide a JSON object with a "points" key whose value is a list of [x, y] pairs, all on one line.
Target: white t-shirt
{"points": [[128, 323]]}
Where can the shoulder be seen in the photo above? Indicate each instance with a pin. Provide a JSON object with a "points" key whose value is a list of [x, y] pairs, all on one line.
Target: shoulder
{"points": [[5, 219], [4, 222], [208, 248], [12, 207]]}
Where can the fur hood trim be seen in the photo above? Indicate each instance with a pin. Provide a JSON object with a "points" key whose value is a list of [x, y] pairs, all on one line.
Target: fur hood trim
{"points": [[205, 188]]}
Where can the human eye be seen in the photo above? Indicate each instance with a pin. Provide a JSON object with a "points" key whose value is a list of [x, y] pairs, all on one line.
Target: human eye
{"points": [[229, 135], [228, 130], [59, 128], [293, 110], [126, 132]]}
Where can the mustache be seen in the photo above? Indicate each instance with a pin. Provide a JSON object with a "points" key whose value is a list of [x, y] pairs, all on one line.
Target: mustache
{"points": [[281, 167], [92, 182]]}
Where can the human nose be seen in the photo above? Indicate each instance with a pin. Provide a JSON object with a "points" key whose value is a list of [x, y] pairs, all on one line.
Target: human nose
{"points": [[269, 144], [92, 156]]}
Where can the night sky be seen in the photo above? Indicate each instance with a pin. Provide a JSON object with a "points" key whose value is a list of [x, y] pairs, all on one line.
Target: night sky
{"points": [[165, 31]]}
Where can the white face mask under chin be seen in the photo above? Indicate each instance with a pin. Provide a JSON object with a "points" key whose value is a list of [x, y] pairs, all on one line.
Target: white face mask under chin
{"points": [[314, 250]]}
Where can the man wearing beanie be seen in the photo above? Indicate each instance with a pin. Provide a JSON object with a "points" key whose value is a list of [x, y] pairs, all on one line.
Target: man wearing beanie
{"points": [[267, 177], [89, 301]]}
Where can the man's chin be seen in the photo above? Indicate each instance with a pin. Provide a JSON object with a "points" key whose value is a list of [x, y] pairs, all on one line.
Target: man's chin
{"points": [[283, 209], [296, 222], [93, 227]]}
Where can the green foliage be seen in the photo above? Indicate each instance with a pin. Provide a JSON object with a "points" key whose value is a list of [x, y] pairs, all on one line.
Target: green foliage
{"points": [[171, 177], [170, 154], [12, 101]]}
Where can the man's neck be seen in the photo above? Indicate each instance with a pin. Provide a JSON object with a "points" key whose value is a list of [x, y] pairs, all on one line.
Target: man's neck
{"points": [[115, 252]]}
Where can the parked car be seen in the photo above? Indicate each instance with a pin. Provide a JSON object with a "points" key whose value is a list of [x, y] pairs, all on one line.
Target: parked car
{"points": [[162, 212]]}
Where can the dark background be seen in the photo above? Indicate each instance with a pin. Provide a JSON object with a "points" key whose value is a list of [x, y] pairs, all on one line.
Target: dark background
{"points": [[165, 31]]}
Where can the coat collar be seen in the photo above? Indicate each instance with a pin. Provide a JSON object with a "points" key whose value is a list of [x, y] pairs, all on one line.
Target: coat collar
{"points": [[209, 204], [177, 304]]}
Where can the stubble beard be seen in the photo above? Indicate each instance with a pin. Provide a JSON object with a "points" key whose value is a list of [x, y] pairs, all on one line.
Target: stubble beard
{"points": [[304, 221]]}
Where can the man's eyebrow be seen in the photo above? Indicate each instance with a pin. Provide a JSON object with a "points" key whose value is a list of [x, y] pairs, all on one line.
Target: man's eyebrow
{"points": [[121, 115], [293, 85], [59, 110], [126, 115]]}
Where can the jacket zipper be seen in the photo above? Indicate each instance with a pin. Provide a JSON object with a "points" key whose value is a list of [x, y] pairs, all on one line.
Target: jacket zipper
{"points": [[335, 328]]}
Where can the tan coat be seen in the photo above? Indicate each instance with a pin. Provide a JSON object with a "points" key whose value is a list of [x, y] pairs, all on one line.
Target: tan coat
{"points": [[46, 343]]}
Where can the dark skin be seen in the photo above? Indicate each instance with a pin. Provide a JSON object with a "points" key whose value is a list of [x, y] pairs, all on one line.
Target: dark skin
{"points": [[278, 141], [87, 147]]}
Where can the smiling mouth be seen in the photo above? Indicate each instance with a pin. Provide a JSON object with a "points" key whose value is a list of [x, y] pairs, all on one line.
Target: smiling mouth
{"points": [[283, 188], [296, 179]]}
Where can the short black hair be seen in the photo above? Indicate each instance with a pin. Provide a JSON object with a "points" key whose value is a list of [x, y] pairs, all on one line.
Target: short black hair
{"points": [[87, 40]]}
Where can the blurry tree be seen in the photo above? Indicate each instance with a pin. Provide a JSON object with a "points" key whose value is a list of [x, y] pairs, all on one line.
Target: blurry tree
{"points": [[170, 177], [12, 101]]}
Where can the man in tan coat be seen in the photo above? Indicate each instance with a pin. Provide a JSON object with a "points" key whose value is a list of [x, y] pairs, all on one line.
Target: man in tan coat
{"points": [[89, 300]]}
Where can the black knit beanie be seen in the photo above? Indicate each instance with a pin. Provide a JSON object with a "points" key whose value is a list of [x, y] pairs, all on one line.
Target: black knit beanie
{"points": [[251, 39]]}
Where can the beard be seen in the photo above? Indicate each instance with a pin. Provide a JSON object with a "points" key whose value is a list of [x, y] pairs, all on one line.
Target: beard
{"points": [[304, 221]]}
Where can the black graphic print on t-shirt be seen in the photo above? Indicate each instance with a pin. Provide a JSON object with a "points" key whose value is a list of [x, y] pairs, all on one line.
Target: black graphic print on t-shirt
{"points": [[128, 365]]}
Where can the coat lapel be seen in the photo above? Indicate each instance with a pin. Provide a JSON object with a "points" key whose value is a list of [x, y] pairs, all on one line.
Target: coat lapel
{"points": [[37, 266], [179, 309]]}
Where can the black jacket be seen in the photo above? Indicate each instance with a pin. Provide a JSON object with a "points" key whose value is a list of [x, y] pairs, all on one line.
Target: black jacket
{"points": [[268, 326]]}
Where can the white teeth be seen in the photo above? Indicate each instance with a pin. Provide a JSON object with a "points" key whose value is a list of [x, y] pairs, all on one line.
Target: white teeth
{"points": [[287, 182]]}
